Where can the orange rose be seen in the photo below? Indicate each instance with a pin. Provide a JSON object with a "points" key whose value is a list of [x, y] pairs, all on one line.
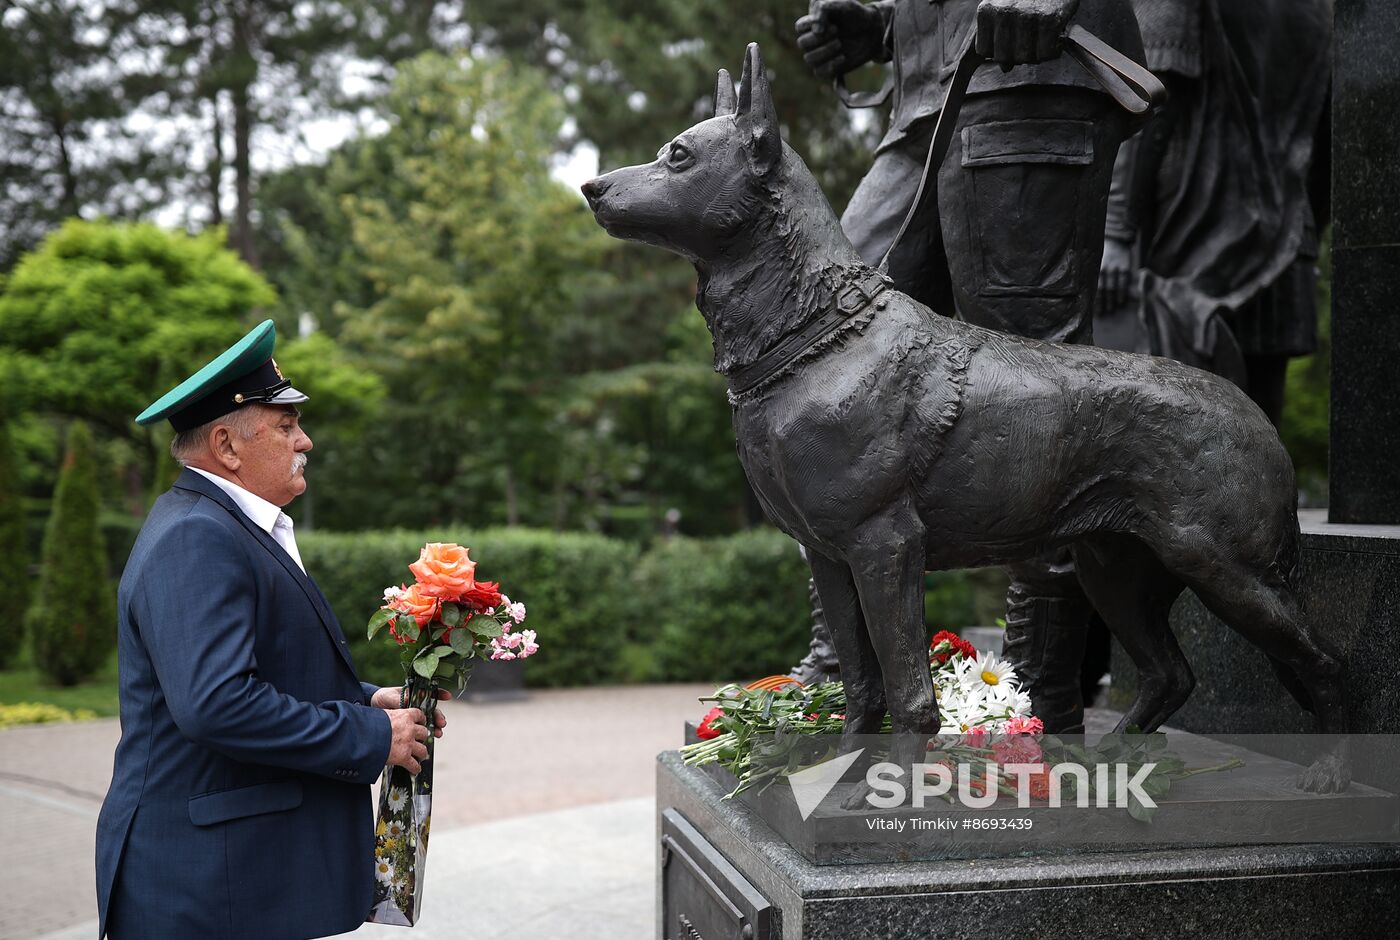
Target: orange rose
{"points": [[444, 570], [418, 602]]}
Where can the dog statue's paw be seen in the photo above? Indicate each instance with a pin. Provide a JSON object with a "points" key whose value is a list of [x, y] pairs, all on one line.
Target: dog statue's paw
{"points": [[856, 799], [1330, 773]]}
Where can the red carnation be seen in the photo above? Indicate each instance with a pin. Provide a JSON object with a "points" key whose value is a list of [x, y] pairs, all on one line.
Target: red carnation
{"points": [[956, 644], [707, 730], [1040, 783]]}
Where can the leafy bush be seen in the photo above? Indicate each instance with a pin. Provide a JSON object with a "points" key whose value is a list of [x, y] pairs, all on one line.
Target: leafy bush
{"points": [[34, 713], [576, 587], [73, 621], [103, 317], [14, 552], [726, 608]]}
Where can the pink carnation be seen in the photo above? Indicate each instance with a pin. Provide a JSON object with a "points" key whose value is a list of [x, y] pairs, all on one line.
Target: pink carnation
{"points": [[1030, 725]]}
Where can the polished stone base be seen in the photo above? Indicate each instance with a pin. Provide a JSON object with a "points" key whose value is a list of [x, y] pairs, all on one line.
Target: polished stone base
{"points": [[1258, 891], [1349, 586]]}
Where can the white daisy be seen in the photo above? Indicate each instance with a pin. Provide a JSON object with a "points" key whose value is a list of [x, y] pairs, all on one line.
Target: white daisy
{"points": [[383, 869], [993, 676], [1020, 703], [397, 798], [396, 830]]}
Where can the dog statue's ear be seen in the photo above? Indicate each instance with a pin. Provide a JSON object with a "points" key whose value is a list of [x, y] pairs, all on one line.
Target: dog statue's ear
{"points": [[756, 116], [725, 100]]}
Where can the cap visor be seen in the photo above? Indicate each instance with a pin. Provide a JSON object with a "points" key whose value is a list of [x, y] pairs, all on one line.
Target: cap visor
{"points": [[288, 396]]}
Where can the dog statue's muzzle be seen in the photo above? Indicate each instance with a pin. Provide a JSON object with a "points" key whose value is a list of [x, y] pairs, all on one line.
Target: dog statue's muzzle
{"points": [[593, 191]]}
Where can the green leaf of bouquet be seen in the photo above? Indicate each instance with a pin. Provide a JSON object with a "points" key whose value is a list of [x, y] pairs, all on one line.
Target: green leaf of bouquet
{"points": [[451, 614], [1157, 786], [381, 618], [425, 666], [485, 626], [1140, 811], [445, 668], [407, 626], [462, 642]]}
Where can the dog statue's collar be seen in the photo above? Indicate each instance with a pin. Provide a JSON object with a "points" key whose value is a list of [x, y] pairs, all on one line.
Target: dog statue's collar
{"points": [[848, 301]]}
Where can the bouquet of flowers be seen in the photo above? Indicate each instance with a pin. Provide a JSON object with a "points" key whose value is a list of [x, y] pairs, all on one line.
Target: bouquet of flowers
{"points": [[443, 624], [755, 732]]}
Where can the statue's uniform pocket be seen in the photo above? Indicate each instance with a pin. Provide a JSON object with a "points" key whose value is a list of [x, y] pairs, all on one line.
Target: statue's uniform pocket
{"points": [[1025, 182]]}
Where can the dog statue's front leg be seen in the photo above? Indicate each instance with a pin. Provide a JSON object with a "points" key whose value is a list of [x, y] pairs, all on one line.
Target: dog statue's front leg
{"points": [[887, 558], [860, 669]]}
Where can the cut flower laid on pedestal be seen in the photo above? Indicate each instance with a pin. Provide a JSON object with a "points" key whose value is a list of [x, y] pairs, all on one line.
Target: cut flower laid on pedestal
{"points": [[442, 623]]}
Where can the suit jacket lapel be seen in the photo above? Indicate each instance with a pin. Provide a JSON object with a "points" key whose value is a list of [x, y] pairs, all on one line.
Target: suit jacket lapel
{"points": [[189, 480]]}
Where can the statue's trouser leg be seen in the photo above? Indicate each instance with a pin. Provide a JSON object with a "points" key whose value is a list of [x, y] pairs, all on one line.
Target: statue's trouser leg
{"points": [[1022, 199], [820, 664]]}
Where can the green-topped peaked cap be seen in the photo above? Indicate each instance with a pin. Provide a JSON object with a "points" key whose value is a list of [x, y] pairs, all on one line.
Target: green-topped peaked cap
{"points": [[243, 374]]}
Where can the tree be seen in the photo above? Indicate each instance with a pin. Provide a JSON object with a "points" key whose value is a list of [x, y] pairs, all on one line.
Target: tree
{"points": [[543, 372], [73, 622], [14, 552], [66, 94], [251, 71], [636, 72], [472, 253], [104, 318]]}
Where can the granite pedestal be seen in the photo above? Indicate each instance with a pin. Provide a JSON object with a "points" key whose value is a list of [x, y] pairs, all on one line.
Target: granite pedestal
{"points": [[742, 881]]}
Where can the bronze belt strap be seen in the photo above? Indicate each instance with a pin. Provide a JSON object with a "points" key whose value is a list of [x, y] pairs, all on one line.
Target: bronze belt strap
{"points": [[1132, 86]]}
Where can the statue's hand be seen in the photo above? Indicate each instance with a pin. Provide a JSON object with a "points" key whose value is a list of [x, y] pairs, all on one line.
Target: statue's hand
{"points": [[837, 36], [1019, 32], [1115, 274]]}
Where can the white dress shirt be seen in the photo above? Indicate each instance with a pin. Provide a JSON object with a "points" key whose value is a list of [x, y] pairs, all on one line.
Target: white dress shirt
{"points": [[265, 515]]}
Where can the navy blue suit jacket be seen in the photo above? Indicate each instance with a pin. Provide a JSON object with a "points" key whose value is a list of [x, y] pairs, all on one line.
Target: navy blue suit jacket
{"points": [[240, 801]]}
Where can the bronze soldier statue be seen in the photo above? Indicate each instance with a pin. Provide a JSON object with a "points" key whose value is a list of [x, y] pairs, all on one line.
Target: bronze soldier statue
{"points": [[1212, 238], [1014, 237]]}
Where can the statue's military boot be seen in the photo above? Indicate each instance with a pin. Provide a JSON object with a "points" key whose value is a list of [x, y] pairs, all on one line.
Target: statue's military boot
{"points": [[820, 664], [1045, 641]]}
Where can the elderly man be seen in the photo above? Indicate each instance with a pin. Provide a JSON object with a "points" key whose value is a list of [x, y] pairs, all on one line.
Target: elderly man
{"points": [[240, 800]]}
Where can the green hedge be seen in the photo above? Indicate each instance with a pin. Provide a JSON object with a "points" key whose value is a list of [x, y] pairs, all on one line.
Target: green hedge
{"points": [[688, 609], [725, 609], [573, 584], [607, 611]]}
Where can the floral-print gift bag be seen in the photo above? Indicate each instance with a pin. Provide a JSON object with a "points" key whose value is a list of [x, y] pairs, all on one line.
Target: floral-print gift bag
{"points": [[401, 831]]}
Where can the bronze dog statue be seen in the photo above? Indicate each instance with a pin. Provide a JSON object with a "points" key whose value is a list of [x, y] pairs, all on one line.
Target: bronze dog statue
{"points": [[889, 440]]}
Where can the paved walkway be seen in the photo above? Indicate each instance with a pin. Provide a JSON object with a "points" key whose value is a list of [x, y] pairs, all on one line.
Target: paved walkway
{"points": [[542, 820]]}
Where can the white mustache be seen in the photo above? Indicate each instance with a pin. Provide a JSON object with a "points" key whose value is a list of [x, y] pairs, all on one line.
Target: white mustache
{"points": [[299, 462]]}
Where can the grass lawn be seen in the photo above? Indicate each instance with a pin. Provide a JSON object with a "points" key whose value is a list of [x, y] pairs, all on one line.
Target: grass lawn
{"points": [[24, 683]]}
